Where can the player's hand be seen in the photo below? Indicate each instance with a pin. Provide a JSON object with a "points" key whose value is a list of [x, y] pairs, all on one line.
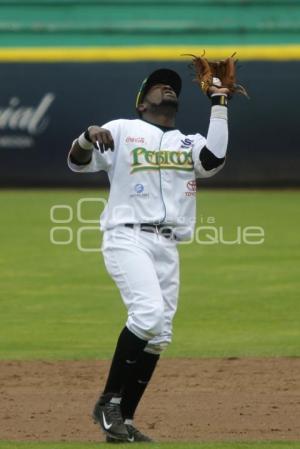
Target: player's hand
{"points": [[218, 90], [101, 138]]}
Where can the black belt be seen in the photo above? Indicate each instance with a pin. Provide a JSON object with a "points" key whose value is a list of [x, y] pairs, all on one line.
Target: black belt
{"points": [[165, 231]]}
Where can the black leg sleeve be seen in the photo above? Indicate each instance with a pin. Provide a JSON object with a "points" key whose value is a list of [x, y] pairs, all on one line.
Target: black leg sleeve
{"points": [[128, 349], [137, 383]]}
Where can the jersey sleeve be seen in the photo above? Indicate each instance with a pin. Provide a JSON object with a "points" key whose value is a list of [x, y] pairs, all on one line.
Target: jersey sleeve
{"points": [[99, 161], [206, 164]]}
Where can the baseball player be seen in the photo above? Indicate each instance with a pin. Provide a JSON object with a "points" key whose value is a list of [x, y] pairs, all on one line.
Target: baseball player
{"points": [[152, 169]]}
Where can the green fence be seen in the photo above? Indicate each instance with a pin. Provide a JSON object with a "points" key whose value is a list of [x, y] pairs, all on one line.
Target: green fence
{"points": [[145, 22]]}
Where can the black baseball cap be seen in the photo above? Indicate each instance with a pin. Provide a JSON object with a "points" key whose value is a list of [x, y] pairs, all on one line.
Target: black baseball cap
{"points": [[164, 76]]}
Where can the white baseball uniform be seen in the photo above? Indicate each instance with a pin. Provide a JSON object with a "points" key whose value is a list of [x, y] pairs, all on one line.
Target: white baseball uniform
{"points": [[152, 174]]}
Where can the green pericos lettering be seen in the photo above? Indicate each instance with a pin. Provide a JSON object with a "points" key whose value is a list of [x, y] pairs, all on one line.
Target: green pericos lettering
{"points": [[143, 159]]}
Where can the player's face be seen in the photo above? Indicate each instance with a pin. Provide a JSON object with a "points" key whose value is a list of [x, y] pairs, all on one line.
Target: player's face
{"points": [[161, 93]]}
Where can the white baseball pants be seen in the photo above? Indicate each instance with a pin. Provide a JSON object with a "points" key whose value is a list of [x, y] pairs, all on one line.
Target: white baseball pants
{"points": [[145, 267]]}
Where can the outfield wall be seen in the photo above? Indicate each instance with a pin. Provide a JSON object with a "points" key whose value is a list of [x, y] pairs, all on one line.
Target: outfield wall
{"points": [[65, 64], [43, 107]]}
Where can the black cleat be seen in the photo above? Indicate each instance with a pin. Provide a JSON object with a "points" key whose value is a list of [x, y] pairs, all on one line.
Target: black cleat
{"points": [[134, 436], [108, 415]]}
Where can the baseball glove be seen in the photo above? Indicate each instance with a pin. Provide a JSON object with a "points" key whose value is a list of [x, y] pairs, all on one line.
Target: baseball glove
{"points": [[216, 73]]}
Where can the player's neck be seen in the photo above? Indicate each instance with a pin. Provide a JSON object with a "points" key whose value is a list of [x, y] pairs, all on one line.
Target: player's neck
{"points": [[159, 119]]}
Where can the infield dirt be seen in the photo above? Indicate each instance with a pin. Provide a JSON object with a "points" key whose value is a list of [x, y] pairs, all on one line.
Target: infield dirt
{"points": [[188, 400]]}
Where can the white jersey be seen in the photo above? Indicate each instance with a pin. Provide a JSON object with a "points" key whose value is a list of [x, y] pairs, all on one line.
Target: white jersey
{"points": [[152, 175]]}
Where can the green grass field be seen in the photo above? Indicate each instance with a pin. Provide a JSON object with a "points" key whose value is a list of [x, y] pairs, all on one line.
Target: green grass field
{"points": [[236, 300]]}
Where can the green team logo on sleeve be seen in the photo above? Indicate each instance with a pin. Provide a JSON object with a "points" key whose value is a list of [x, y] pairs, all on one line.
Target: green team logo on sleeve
{"points": [[143, 159]]}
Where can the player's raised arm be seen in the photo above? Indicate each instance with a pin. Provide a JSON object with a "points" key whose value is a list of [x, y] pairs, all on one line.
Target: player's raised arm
{"points": [[212, 156], [217, 80]]}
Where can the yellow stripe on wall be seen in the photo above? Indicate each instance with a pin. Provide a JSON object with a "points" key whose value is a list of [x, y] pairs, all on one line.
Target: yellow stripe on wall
{"points": [[110, 54]]}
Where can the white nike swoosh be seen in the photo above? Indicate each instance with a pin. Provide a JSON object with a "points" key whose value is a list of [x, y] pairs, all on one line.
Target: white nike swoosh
{"points": [[131, 439], [130, 362], [106, 426]]}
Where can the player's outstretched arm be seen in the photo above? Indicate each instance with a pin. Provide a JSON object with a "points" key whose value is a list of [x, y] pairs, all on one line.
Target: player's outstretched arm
{"points": [[217, 79], [213, 154], [94, 136]]}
